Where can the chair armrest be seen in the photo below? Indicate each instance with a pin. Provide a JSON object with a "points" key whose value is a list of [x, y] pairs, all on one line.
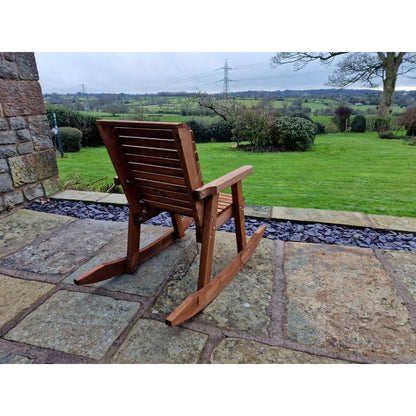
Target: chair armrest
{"points": [[218, 185]]}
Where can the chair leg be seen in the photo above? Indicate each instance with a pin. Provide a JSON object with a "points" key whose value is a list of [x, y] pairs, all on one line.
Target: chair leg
{"points": [[178, 225], [133, 245], [135, 255], [208, 239], [238, 214]]}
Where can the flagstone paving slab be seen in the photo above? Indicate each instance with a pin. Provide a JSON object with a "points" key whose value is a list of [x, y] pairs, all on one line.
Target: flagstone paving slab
{"points": [[73, 195], [153, 342], [244, 304], [115, 199], [10, 358], [257, 211], [384, 222], [357, 219], [342, 298], [242, 351], [16, 295], [24, 226], [145, 281], [75, 323], [403, 264], [58, 253]]}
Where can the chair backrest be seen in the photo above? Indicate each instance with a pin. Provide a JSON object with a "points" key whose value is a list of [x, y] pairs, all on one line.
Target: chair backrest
{"points": [[157, 164]]}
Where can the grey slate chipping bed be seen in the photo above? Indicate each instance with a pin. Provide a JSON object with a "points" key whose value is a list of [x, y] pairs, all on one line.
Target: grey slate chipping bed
{"points": [[276, 230]]}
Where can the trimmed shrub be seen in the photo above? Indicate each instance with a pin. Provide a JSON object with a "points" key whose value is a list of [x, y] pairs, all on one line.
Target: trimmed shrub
{"points": [[342, 117], [70, 139], [320, 127], [358, 124], [408, 120], [201, 131], [295, 133], [253, 126], [220, 131], [84, 122], [386, 134], [381, 124]]}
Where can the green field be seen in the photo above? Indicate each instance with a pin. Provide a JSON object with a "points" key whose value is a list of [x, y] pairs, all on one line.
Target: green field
{"points": [[344, 171]]}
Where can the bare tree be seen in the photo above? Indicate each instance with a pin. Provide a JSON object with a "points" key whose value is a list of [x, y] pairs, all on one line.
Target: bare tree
{"points": [[358, 67], [224, 108]]}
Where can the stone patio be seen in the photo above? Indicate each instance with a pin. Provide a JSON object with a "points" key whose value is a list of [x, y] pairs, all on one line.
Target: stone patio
{"points": [[291, 303]]}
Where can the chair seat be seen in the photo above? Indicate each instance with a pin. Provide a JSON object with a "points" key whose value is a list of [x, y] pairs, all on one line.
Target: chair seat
{"points": [[224, 201]]}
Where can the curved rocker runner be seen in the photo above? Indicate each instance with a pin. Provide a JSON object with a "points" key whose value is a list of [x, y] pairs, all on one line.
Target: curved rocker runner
{"points": [[157, 166]]}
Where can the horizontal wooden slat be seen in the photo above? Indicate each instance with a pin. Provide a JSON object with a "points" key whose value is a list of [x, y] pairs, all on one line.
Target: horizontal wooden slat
{"points": [[160, 185], [163, 199], [169, 207], [163, 170], [150, 151], [147, 142], [144, 132], [152, 160], [164, 193], [159, 178]]}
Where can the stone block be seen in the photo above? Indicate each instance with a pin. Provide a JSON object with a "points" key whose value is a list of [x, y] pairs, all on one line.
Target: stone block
{"points": [[76, 323], [40, 132], [153, 342], [4, 167], [25, 148], [8, 70], [8, 56], [23, 135], [7, 137], [6, 183], [34, 167], [12, 199], [7, 150], [33, 192], [17, 123], [26, 65], [3, 123], [51, 185], [21, 98]]}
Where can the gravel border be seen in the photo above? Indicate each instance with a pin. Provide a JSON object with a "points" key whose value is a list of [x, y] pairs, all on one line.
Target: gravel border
{"points": [[276, 230]]}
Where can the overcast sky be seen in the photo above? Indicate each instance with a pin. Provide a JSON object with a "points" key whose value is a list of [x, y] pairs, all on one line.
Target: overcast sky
{"points": [[152, 72]]}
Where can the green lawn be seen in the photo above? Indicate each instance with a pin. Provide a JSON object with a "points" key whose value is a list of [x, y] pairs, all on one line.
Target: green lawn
{"points": [[352, 172]]}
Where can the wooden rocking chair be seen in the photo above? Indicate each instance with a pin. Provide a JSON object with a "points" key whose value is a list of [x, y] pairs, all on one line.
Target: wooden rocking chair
{"points": [[157, 166]]}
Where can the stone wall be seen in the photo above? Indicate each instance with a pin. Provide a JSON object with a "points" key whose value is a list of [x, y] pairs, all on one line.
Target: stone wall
{"points": [[28, 168]]}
